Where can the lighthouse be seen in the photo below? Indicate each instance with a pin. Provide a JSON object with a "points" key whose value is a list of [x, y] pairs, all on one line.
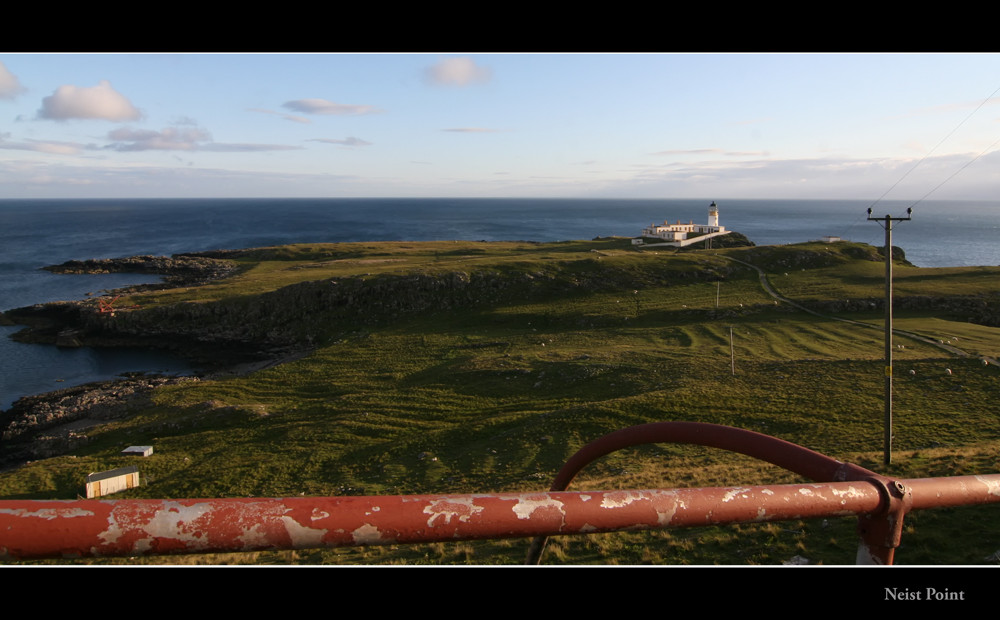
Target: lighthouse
{"points": [[713, 216]]}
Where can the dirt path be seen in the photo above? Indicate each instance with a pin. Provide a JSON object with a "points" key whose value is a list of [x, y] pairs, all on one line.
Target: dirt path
{"points": [[770, 290]]}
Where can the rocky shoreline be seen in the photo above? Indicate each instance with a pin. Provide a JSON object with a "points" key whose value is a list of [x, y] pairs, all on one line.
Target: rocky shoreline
{"points": [[179, 269], [63, 323], [53, 423]]}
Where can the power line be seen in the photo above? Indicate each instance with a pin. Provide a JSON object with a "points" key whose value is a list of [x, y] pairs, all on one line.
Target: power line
{"points": [[929, 153], [954, 174]]}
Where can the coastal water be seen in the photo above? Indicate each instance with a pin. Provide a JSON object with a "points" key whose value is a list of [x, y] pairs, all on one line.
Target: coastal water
{"points": [[36, 233]]}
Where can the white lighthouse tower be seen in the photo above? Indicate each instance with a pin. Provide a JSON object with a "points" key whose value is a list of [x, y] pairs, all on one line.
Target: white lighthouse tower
{"points": [[713, 216]]}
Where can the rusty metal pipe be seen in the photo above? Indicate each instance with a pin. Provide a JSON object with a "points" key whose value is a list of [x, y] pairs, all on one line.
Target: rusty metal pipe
{"points": [[795, 458], [94, 528], [954, 491], [787, 455]]}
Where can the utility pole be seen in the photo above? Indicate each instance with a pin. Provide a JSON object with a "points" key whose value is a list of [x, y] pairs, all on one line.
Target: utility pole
{"points": [[886, 223]]}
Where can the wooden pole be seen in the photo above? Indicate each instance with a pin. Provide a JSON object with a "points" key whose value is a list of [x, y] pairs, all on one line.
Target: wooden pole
{"points": [[887, 412]]}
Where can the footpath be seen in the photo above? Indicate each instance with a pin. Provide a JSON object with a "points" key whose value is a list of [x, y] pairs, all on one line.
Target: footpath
{"points": [[766, 284]]}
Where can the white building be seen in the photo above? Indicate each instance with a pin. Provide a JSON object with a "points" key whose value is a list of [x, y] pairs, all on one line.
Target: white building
{"points": [[679, 232], [139, 450], [112, 481]]}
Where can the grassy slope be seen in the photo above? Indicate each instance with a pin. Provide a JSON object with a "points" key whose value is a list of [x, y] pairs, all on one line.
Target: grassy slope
{"points": [[497, 397]]}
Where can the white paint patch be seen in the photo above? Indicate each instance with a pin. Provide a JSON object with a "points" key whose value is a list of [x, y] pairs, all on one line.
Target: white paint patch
{"points": [[462, 509], [525, 506], [620, 499], [319, 514], [253, 537], [665, 516], [806, 492], [733, 494], [48, 513], [850, 492], [168, 522], [992, 486], [585, 498], [368, 535], [302, 536], [767, 492]]}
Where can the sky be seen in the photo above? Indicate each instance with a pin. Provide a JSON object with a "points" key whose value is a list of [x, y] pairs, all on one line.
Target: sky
{"points": [[629, 125]]}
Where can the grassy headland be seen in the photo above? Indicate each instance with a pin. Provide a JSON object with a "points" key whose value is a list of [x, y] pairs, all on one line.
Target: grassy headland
{"points": [[448, 367]]}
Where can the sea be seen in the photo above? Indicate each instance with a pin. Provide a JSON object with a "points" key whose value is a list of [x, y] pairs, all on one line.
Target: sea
{"points": [[40, 232]]}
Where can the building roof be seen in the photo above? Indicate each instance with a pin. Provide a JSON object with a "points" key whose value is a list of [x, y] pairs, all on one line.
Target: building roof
{"points": [[112, 473]]}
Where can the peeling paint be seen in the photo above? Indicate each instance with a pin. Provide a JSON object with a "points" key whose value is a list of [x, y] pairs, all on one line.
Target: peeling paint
{"points": [[172, 521], [303, 537], [992, 485], [849, 492], [620, 499], [253, 537], [461, 509], [665, 514], [525, 507], [368, 534], [733, 494], [49, 513]]}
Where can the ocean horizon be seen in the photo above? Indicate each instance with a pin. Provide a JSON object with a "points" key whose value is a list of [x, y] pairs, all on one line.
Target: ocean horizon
{"points": [[38, 232]]}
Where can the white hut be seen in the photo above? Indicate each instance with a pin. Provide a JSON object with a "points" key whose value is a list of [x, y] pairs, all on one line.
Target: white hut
{"points": [[138, 450], [112, 481]]}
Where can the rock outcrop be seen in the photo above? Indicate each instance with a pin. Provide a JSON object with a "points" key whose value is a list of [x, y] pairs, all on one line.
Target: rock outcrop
{"points": [[179, 269], [54, 423]]}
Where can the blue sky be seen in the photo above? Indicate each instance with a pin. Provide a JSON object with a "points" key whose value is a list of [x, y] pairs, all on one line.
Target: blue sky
{"points": [[500, 125]]}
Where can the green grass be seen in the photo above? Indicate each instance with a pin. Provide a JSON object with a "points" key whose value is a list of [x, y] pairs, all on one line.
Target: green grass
{"points": [[486, 397]]}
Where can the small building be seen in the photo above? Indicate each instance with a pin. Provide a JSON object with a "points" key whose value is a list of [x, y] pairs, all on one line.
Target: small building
{"points": [[138, 450], [830, 239], [112, 481]]}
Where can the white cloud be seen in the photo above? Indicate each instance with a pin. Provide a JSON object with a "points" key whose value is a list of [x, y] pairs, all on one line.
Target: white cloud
{"points": [[713, 151], [689, 152], [350, 141], [42, 146], [322, 106], [10, 87], [170, 139], [96, 102], [456, 72], [287, 117], [179, 139], [471, 130]]}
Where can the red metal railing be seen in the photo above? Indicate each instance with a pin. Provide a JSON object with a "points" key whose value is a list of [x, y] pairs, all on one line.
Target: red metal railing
{"points": [[92, 528]]}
